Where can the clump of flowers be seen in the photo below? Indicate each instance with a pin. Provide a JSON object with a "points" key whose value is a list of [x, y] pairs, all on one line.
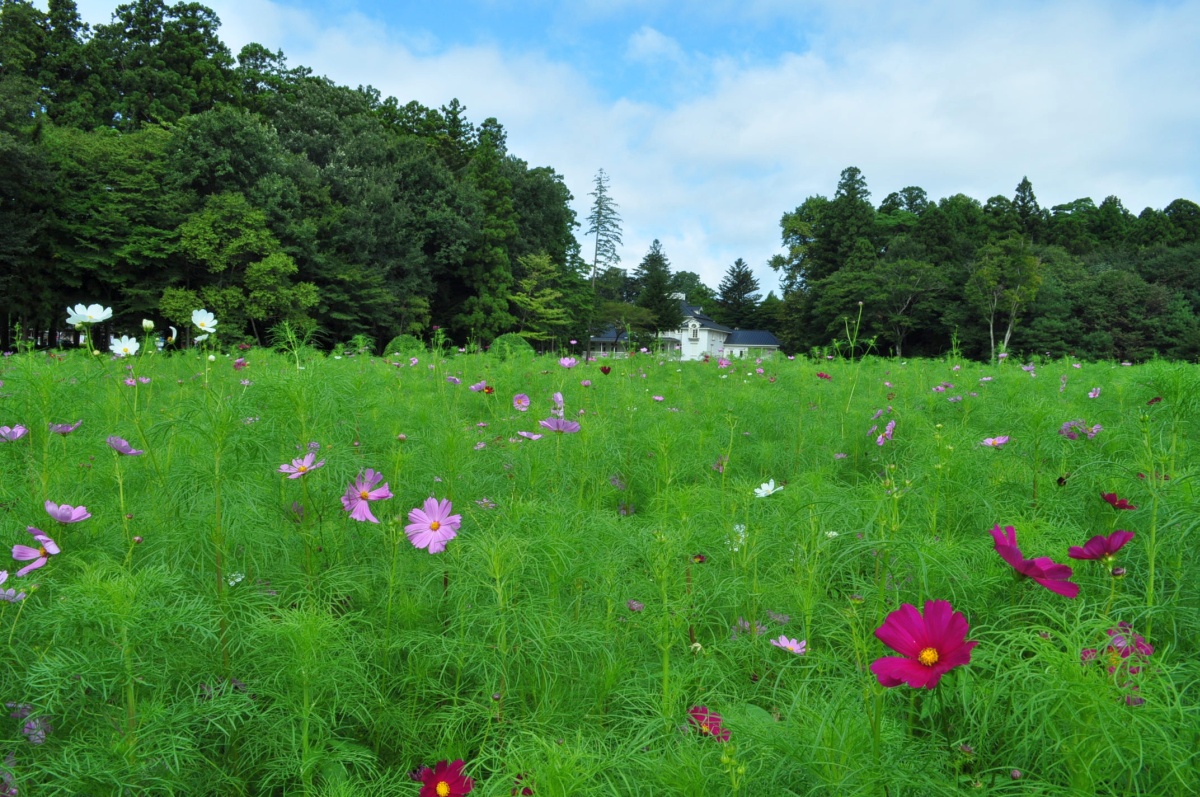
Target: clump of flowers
{"points": [[929, 645], [1042, 569], [1127, 653]]}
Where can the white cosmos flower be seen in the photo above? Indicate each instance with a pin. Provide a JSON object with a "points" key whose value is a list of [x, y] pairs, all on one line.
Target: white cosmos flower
{"points": [[174, 334], [201, 338], [205, 320], [125, 346], [91, 314], [147, 325], [768, 489]]}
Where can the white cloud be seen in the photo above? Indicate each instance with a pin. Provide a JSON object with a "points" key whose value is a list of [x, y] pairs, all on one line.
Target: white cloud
{"points": [[649, 46]]}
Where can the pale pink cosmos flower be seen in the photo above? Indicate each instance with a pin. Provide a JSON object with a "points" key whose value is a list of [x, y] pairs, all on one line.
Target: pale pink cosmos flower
{"points": [[568, 362], [521, 402], [530, 435], [12, 433], [1094, 393], [432, 525], [121, 446], [995, 442], [37, 557], [65, 429], [362, 491], [657, 398], [799, 647], [65, 513], [559, 425], [301, 467]]}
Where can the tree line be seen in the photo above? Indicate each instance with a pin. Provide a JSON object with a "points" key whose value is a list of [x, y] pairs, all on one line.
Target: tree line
{"points": [[922, 277]]}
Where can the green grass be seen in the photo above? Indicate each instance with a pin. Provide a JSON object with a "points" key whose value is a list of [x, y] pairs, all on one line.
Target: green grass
{"points": [[240, 648]]}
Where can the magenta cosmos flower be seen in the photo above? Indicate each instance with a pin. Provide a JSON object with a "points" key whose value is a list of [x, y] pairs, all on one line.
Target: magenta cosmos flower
{"points": [[929, 645], [559, 425], [1101, 547], [300, 467], [65, 429], [12, 433], [708, 723], [445, 780], [66, 513], [37, 557], [520, 402], [121, 446], [1117, 503], [1042, 569], [432, 525], [361, 492]]}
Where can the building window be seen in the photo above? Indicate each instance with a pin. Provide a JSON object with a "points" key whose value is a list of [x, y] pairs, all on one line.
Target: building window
{"points": [[695, 330]]}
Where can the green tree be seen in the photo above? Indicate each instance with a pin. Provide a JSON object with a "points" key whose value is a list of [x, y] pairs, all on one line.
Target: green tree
{"points": [[654, 276], [604, 222], [738, 297], [1004, 281], [537, 304], [849, 217], [696, 293], [1030, 214]]}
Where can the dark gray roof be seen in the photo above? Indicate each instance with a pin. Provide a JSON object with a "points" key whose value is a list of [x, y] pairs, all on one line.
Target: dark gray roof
{"points": [[693, 311], [751, 337]]}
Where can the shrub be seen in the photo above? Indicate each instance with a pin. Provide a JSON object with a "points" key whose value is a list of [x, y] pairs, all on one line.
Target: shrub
{"points": [[407, 345], [510, 345]]}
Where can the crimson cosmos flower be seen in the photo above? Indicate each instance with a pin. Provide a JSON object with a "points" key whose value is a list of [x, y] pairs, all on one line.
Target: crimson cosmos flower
{"points": [[1042, 569], [823, 375], [445, 780], [930, 645], [1117, 503], [708, 723], [1101, 547], [606, 369]]}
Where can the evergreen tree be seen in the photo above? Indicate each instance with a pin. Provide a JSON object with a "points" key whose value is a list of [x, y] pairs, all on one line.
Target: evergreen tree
{"points": [[738, 297], [1033, 218], [654, 275], [605, 223], [849, 217]]}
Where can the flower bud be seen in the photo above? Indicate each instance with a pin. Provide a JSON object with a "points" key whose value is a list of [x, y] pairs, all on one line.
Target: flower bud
{"points": [[147, 325], [212, 358]]}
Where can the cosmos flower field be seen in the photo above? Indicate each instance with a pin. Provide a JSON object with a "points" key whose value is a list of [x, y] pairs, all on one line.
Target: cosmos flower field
{"points": [[269, 574]]}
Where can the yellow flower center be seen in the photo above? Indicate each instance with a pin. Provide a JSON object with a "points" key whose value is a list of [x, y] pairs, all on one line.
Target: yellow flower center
{"points": [[301, 468], [928, 657], [364, 495], [443, 789], [434, 526], [201, 325]]}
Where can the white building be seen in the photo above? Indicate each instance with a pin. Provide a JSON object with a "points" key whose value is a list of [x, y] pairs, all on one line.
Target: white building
{"points": [[698, 336]]}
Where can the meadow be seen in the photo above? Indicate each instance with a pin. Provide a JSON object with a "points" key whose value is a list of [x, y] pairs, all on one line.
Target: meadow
{"points": [[630, 608]]}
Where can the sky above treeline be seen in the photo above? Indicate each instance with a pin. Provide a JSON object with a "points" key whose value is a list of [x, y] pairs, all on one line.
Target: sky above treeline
{"points": [[714, 118]]}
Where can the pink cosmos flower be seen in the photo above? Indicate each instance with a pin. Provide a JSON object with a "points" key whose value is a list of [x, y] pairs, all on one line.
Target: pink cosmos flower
{"points": [[887, 433], [1042, 569], [1101, 547], [239, 363], [521, 402], [708, 723], [478, 386], [432, 525], [929, 645], [301, 467], [67, 513], [657, 398], [586, 383], [825, 376], [1094, 393], [121, 446], [1117, 503], [454, 380], [798, 647], [12, 433], [65, 429], [568, 362], [361, 491], [36, 556], [530, 435], [995, 442], [559, 425], [446, 779]]}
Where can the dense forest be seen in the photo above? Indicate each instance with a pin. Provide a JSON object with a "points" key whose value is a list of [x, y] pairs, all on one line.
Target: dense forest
{"points": [[1090, 280], [143, 166]]}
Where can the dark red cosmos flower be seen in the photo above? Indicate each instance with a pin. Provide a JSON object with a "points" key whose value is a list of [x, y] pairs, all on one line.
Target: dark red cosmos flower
{"points": [[708, 723], [1101, 547], [520, 788], [606, 369], [699, 558], [1042, 569], [823, 375], [1117, 503], [489, 390], [930, 645], [445, 780], [1153, 401]]}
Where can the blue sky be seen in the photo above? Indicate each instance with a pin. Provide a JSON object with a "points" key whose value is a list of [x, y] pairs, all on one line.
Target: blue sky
{"points": [[714, 118]]}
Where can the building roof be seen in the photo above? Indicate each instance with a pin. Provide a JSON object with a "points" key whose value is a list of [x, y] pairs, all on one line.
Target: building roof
{"points": [[691, 311], [751, 337]]}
